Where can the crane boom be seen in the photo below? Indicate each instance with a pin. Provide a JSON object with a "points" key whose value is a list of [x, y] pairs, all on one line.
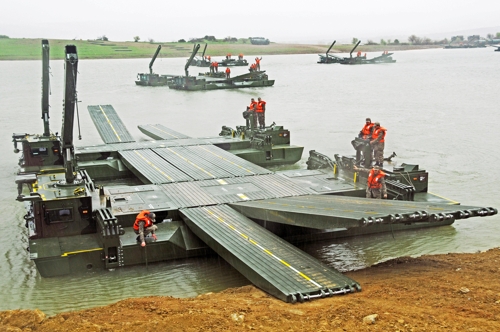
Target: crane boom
{"points": [[70, 100], [45, 87], [153, 59]]}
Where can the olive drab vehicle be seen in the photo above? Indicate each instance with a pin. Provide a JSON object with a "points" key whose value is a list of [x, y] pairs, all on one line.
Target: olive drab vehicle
{"points": [[363, 60], [152, 79], [210, 196], [214, 81], [329, 58], [259, 41]]}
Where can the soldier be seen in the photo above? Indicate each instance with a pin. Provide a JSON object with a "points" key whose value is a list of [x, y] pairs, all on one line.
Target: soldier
{"points": [[257, 63], [251, 111], [367, 129], [144, 225], [375, 185], [378, 142], [228, 73], [261, 113]]}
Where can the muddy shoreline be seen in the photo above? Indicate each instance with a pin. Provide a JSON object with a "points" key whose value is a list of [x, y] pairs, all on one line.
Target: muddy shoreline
{"points": [[456, 292]]}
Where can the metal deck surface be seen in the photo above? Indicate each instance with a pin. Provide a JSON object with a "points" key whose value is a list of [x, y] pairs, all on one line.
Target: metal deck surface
{"points": [[109, 125], [174, 196], [329, 211], [158, 131], [189, 163], [268, 261]]}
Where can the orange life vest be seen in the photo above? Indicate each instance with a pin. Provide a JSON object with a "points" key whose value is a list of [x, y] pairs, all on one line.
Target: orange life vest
{"points": [[380, 131], [228, 70], [257, 60], [260, 106], [253, 105], [374, 180], [367, 129], [216, 64], [142, 217]]}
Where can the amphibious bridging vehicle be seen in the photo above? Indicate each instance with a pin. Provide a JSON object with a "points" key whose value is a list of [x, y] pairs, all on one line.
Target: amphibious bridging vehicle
{"points": [[206, 199], [329, 58], [212, 81], [152, 79], [362, 60]]}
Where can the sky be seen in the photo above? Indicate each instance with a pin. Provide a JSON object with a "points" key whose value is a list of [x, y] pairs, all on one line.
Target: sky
{"points": [[312, 22]]}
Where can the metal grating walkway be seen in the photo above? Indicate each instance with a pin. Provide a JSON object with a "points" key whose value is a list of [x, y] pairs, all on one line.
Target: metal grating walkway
{"points": [[109, 125], [268, 261]]}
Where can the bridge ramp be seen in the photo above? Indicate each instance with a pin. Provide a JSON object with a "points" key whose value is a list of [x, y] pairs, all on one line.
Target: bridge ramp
{"points": [[269, 262], [160, 132], [330, 211]]}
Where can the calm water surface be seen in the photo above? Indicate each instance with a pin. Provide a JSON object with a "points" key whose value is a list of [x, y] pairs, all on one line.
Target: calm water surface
{"points": [[440, 108]]}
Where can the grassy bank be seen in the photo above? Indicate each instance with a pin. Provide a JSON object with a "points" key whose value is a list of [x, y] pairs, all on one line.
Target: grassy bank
{"points": [[30, 49]]}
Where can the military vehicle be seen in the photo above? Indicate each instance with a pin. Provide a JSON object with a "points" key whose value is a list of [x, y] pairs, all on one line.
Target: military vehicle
{"points": [[363, 60], [206, 200], [259, 41], [215, 82], [152, 79], [329, 58], [201, 61], [230, 62]]}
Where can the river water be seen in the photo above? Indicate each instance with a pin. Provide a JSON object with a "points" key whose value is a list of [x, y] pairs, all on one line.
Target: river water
{"points": [[440, 108]]}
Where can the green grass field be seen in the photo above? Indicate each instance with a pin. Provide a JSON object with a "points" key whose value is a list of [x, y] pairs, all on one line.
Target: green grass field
{"points": [[30, 49]]}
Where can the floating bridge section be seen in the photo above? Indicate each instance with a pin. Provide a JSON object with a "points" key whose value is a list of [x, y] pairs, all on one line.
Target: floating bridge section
{"points": [[216, 193]]}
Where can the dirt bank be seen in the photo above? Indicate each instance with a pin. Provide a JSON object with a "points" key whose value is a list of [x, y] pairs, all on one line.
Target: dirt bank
{"points": [[454, 292]]}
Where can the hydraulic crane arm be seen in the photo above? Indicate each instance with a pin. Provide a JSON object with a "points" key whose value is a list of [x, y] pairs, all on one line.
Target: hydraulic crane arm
{"points": [[45, 87], [70, 100], [195, 50], [153, 59]]}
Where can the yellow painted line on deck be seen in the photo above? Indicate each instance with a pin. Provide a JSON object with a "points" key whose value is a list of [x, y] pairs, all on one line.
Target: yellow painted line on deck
{"points": [[187, 160], [229, 161], [450, 200], [267, 251], [153, 165], [66, 254], [110, 124]]}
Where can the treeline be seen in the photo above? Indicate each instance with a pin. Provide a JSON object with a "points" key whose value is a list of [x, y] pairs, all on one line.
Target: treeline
{"points": [[416, 40]]}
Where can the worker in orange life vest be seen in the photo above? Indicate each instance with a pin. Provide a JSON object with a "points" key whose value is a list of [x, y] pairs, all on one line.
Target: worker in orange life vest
{"points": [[261, 112], [228, 72], [375, 184], [366, 131], [251, 111], [144, 225], [216, 66], [257, 63], [378, 143]]}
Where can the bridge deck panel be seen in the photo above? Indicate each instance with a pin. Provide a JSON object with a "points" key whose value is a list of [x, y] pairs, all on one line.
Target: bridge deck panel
{"points": [[265, 259]]}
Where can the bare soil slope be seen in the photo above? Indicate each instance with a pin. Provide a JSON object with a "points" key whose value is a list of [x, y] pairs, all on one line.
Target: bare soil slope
{"points": [[454, 292]]}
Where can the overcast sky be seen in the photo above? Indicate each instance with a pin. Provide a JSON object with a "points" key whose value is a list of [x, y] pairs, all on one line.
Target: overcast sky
{"points": [[319, 21]]}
